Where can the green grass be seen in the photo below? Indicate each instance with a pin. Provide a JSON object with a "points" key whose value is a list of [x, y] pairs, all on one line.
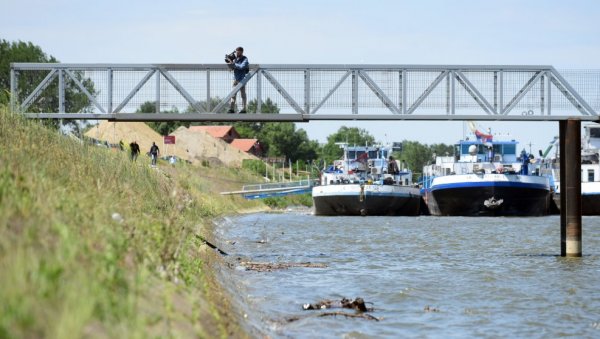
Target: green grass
{"points": [[289, 200], [92, 245]]}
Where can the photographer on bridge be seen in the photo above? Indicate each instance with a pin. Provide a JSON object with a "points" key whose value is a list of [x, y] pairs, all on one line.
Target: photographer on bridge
{"points": [[238, 62]]}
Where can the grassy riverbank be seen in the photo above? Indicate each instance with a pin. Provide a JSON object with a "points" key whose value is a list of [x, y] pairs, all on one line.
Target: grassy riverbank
{"points": [[94, 245]]}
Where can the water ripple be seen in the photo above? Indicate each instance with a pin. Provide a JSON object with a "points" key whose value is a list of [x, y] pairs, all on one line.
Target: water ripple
{"points": [[426, 276]]}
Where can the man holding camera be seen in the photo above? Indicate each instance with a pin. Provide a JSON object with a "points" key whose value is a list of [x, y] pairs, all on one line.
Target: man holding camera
{"points": [[240, 65]]}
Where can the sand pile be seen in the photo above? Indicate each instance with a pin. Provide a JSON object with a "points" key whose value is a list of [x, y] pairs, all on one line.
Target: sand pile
{"points": [[193, 146], [113, 132], [202, 146]]}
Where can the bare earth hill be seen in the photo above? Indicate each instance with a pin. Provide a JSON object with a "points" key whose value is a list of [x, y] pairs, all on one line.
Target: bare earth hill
{"points": [[194, 146], [201, 145]]}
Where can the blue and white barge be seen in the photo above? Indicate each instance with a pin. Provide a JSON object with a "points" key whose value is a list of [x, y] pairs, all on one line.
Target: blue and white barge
{"points": [[485, 178]]}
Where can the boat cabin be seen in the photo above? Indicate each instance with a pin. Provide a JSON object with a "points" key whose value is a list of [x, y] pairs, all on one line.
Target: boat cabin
{"points": [[590, 168], [365, 164], [476, 151], [592, 137], [590, 157], [475, 156]]}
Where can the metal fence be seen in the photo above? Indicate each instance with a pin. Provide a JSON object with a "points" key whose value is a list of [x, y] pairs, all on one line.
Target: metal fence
{"points": [[308, 91]]}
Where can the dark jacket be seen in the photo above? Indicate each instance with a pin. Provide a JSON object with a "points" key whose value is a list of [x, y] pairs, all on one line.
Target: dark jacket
{"points": [[241, 67], [135, 148], [393, 167]]}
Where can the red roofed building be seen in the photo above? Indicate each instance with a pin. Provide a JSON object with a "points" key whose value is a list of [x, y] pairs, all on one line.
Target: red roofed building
{"points": [[251, 146], [225, 133]]}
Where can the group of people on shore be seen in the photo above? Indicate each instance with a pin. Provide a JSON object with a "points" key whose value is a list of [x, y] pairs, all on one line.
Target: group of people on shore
{"points": [[134, 149]]}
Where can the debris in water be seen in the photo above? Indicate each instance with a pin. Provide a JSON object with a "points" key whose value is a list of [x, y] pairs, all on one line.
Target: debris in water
{"points": [[430, 309], [350, 315], [358, 304], [268, 267]]}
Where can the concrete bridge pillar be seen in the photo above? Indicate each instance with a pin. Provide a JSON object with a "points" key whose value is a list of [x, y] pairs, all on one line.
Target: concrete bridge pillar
{"points": [[570, 188]]}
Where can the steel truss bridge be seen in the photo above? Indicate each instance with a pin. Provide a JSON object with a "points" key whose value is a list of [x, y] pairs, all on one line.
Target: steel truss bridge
{"points": [[202, 92]]}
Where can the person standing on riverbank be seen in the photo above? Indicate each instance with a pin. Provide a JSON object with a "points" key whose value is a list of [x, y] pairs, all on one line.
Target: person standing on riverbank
{"points": [[135, 150], [154, 152]]}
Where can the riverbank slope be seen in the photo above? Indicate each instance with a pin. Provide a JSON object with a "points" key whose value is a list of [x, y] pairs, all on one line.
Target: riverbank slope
{"points": [[93, 245]]}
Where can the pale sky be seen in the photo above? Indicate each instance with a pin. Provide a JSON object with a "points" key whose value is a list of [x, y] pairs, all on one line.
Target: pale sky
{"points": [[564, 34]]}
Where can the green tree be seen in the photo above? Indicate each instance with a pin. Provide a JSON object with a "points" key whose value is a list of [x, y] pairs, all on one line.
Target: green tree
{"points": [[417, 155], [75, 100], [278, 138], [250, 129], [441, 150], [267, 106], [350, 135], [283, 139], [161, 127]]}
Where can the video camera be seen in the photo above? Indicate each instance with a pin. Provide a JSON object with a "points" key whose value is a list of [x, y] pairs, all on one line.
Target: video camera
{"points": [[230, 57]]}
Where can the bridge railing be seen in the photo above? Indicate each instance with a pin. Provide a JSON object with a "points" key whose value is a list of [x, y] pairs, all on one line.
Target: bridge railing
{"points": [[309, 91]]}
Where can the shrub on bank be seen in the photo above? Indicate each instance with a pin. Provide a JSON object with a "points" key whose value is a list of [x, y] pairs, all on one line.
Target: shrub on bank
{"points": [[289, 200]]}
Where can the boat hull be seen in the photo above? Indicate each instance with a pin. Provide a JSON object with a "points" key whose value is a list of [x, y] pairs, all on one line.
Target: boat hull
{"points": [[590, 198], [354, 199], [489, 195], [590, 203]]}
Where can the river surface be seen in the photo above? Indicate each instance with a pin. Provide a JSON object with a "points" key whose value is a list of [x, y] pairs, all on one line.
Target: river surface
{"points": [[424, 276]]}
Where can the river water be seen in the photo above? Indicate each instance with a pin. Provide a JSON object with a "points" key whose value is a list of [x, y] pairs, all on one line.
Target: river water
{"points": [[425, 276]]}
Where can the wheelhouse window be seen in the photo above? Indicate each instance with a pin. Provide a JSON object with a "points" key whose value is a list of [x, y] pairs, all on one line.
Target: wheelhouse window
{"points": [[510, 149], [595, 132], [464, 149]]}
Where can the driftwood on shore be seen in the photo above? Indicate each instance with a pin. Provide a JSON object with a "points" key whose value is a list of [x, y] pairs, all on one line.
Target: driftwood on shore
{"points": [[268, 267], [358, 304], [211, 245]]}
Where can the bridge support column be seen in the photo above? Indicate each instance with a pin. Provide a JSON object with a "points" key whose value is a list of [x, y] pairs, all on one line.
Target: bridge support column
{"points": [[570, 188]]}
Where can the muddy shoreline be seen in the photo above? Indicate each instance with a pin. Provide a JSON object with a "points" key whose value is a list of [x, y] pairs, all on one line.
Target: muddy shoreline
{"points": [[220, 293]]}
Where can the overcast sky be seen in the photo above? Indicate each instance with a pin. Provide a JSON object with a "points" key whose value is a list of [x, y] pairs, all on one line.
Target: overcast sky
{"points": [[564, 34]]}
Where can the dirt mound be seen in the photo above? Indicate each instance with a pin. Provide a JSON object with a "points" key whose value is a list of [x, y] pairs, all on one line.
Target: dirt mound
{"points": [[114, 132], [202, 146], [194, 146]]}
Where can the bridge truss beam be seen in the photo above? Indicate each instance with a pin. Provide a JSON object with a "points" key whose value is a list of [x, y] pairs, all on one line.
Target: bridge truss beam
{"points": [[202, 92]]}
